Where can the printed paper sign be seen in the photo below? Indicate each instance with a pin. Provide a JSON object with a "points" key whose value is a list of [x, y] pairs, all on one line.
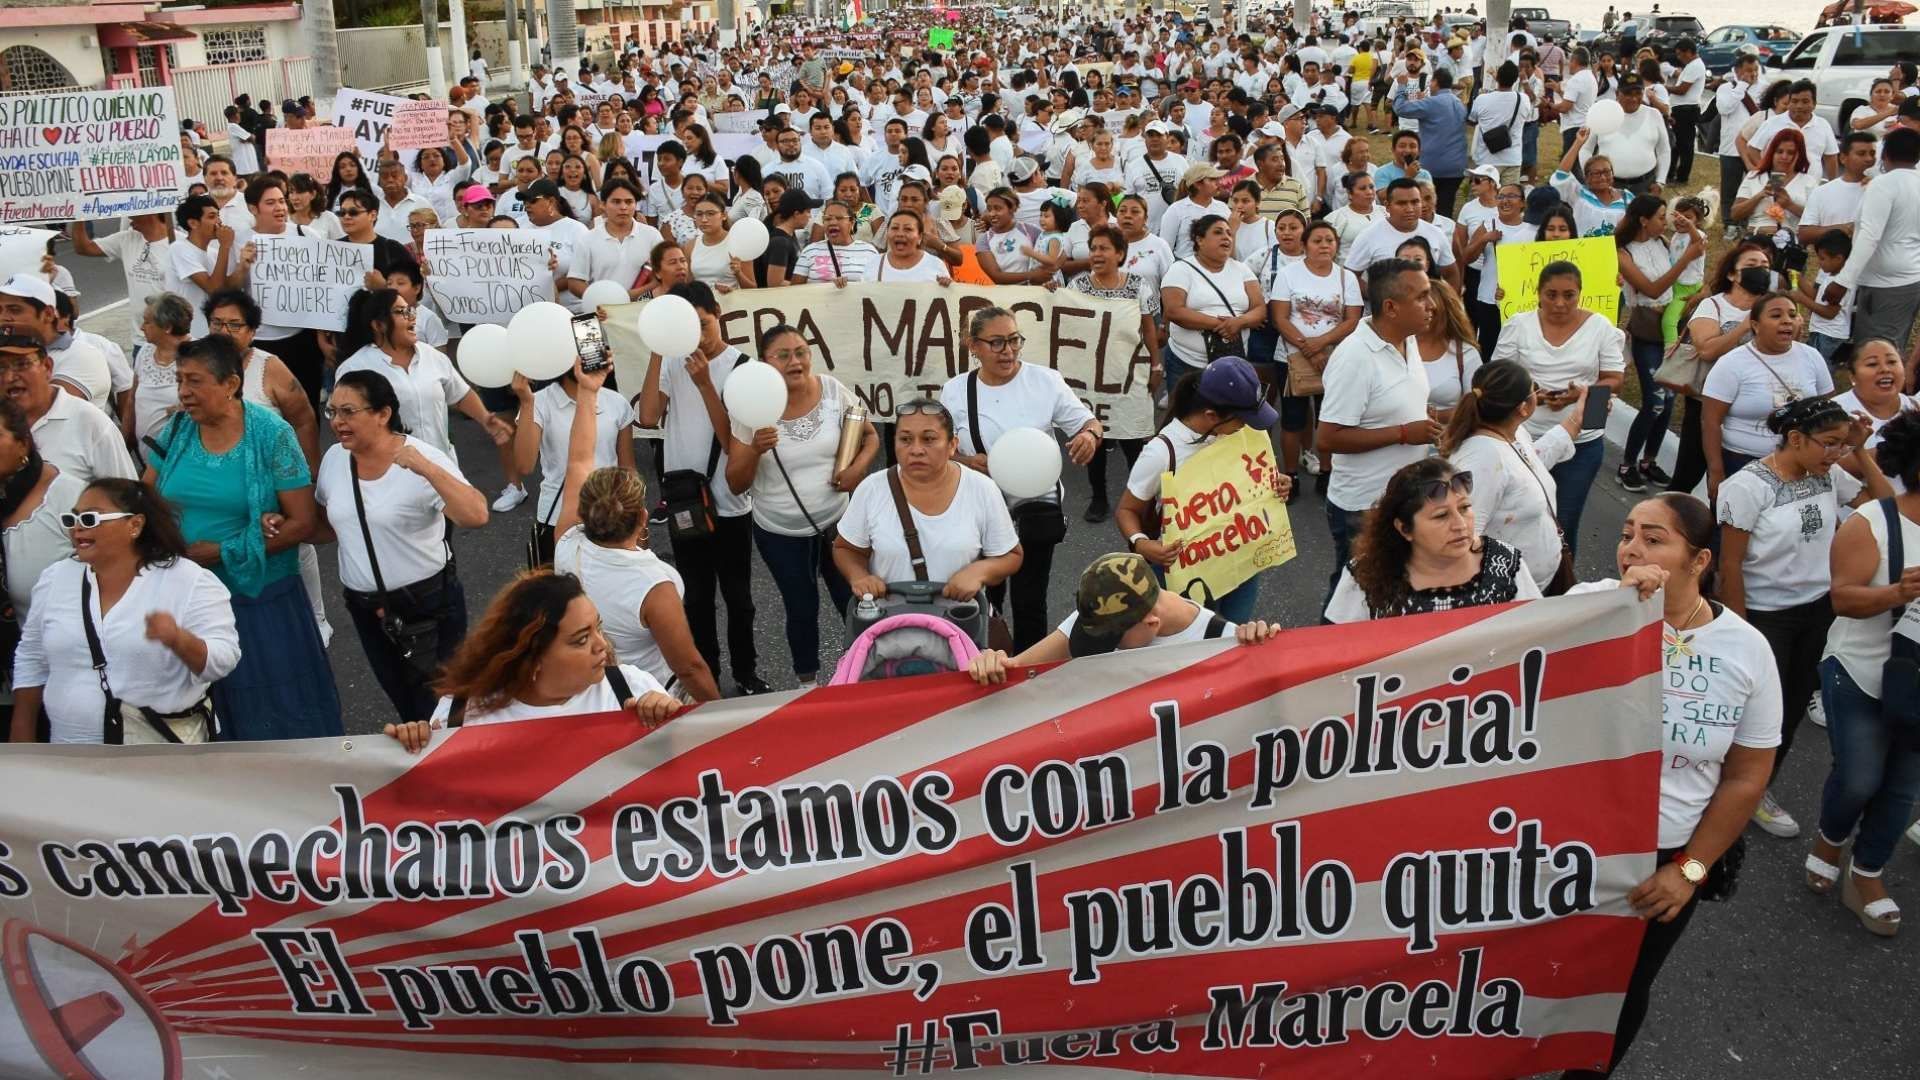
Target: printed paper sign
{"points": [[21, 249], [1519, 267], [485, 275], [368, 116], [1351, 852], [1223, 507], [308, 150], [894, 343], [68, 155], [1116, 119], [736, 123], [306, 281], [418, 125]]}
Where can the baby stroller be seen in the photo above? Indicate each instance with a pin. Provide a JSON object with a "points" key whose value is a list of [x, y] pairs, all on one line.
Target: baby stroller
{"points": [[905, 642]]}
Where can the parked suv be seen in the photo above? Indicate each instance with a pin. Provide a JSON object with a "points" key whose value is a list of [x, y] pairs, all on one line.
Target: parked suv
{"points": [[1843, 61]]}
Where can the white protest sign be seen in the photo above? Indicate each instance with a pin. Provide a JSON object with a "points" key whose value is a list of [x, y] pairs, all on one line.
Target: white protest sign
{"points": [[485, 275], [735, 123], [21, 249], [1116, 119], [418, 125], [892, 343], [306, 281], [368, 116], [69, 155]]}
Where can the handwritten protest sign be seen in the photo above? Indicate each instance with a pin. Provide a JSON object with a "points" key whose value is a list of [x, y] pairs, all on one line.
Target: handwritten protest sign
{"points": [[485, 275], [1223, 506], [306, 281], [1398, 849], [893, 343], [1519, 265], [368, 116], [21, 249], [69, 155], [418, 125], [308, 150]]}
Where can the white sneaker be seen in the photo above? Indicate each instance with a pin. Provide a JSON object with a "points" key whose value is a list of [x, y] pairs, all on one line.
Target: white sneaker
{"points": [[1773, 817], [510, 497], [1913, 832], [1816, 712], [1310, 461]]}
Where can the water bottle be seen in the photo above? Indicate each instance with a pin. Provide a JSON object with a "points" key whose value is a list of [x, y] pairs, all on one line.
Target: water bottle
{"points": [[867, 610]]}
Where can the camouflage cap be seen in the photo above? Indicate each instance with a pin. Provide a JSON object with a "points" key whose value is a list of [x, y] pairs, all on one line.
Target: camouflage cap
{"points": [[1116, 592]]}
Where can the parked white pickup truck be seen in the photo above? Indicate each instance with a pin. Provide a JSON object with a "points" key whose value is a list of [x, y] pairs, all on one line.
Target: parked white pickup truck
{"points": [[1843, 61]]}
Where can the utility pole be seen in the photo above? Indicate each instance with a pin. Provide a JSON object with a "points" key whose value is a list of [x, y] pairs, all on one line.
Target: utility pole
{"points": [[516, 75], [457, 15], [316, 26], [430, 32]]}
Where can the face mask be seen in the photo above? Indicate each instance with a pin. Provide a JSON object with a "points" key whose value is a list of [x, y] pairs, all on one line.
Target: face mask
{"points": [[1756, 279]]}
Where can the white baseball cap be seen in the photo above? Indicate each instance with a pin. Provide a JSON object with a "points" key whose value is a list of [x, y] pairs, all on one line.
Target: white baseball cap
{"points": [[29, 287]]}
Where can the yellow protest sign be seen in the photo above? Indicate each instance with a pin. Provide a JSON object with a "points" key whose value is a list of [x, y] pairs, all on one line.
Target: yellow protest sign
{"points": [[1519, 268], [1224, 507]]}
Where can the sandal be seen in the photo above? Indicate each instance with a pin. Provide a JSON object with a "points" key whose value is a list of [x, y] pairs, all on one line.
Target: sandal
{"points": [[1821, 874], [1880, 917]]}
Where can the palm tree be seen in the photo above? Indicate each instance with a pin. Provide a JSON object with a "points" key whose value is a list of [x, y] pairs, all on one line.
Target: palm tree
{"points": [[316, 25], [430, 31]]}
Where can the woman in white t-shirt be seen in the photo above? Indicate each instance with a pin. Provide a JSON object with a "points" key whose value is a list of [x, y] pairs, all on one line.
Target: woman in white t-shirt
{"points": [[1717, 321], [1513, 499], [836, 257], [1721, 702], [1777, 519], [537, 652], [1875, 777], [904, 258], [1148, 257], [707, 254], [1565, 349], [1314, 305], [798, 496], [965, 534], [1649, 270], [1448, 349], [1773, 196], [1479, 244], [379, 482], [602, 527], [1212, 294], [1875, 369], [541, 431], [1748, 383]]}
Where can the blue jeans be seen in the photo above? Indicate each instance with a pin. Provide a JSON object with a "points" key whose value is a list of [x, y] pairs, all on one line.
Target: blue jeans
{"points": [[1874, 780], [1656, 405], [1573, 479], [798, 565], [1174, 367], [1530, 145], [1825, 344], [1344, 525]]}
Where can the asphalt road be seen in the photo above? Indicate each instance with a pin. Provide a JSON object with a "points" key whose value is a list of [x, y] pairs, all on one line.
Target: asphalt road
{"points": [[1776, 984]]}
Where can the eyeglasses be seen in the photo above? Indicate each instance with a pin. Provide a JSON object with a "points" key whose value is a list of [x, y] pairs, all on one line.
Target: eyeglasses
{"points": [[90, 519], [227, 326], [797, 353], [18, 363], [344, 412], [404, 312], [921, 408], [1460, 483], [1002, 344]]}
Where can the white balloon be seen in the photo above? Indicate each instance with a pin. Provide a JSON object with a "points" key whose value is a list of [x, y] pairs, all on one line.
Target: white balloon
{"points": [[747, 240], [540, 340], [603, 294], [484, 356], [755, 395], [1025, 462], [1605, 118], [670, 326]]}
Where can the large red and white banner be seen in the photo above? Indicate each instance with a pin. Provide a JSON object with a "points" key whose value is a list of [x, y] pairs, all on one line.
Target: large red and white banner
{"points": [[1398, 849]]}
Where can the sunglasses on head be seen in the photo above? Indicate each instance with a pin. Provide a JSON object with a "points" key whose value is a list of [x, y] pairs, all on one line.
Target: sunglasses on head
{"points": [[1460, 483], [917, 408]]}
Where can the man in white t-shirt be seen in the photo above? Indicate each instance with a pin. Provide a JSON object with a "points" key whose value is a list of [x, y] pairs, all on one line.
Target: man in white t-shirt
{"points": [[1823, 147], [1686, 90], [1373, 418], [140, 247], [1577, 94], [1120, 605], [1835, 205], [1382, 239]]}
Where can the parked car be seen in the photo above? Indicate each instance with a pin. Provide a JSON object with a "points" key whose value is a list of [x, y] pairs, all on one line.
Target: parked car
{"points": [[1659, 31], [1543, 25], [1718, 48], [1843, 61]]}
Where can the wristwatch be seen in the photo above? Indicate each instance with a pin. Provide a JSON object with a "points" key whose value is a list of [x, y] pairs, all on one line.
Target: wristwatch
{"points": [[1692, 869]]}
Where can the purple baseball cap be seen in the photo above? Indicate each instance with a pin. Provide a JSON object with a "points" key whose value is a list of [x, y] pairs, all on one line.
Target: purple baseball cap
{"points": [[1231, 386]]}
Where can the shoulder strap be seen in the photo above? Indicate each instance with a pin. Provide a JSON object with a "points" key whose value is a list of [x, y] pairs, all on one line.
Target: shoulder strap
{"points": [[115, 732], [617, 679], [973, 411], [1517, 100], [1460, 363], [1896, 550], [1172, 466], [1198, 269], [1216, 626], [366, 532], [907, 529]]}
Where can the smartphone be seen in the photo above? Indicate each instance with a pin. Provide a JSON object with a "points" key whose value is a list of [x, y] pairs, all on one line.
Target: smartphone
{"points": [[590, 341], [1595, 418], [1776, 179]]}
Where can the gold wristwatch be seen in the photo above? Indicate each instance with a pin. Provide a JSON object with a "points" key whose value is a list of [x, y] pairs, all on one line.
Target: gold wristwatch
{"points": [[1692, 869]]}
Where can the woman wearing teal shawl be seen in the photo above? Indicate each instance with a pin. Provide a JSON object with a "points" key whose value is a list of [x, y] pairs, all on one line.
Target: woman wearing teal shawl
{"points": [[235, 472]]}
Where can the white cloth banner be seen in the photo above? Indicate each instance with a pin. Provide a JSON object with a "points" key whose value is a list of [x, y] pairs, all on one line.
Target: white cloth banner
{"points": [[306, 281], [893, 343], [485, 275], [83, 155]]}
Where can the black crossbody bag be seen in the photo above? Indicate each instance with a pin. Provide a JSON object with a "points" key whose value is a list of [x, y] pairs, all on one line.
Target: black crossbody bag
{"points": [[1218, 345], [688, 495], [1500, 139], [1038, 523], [415, 634]]}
